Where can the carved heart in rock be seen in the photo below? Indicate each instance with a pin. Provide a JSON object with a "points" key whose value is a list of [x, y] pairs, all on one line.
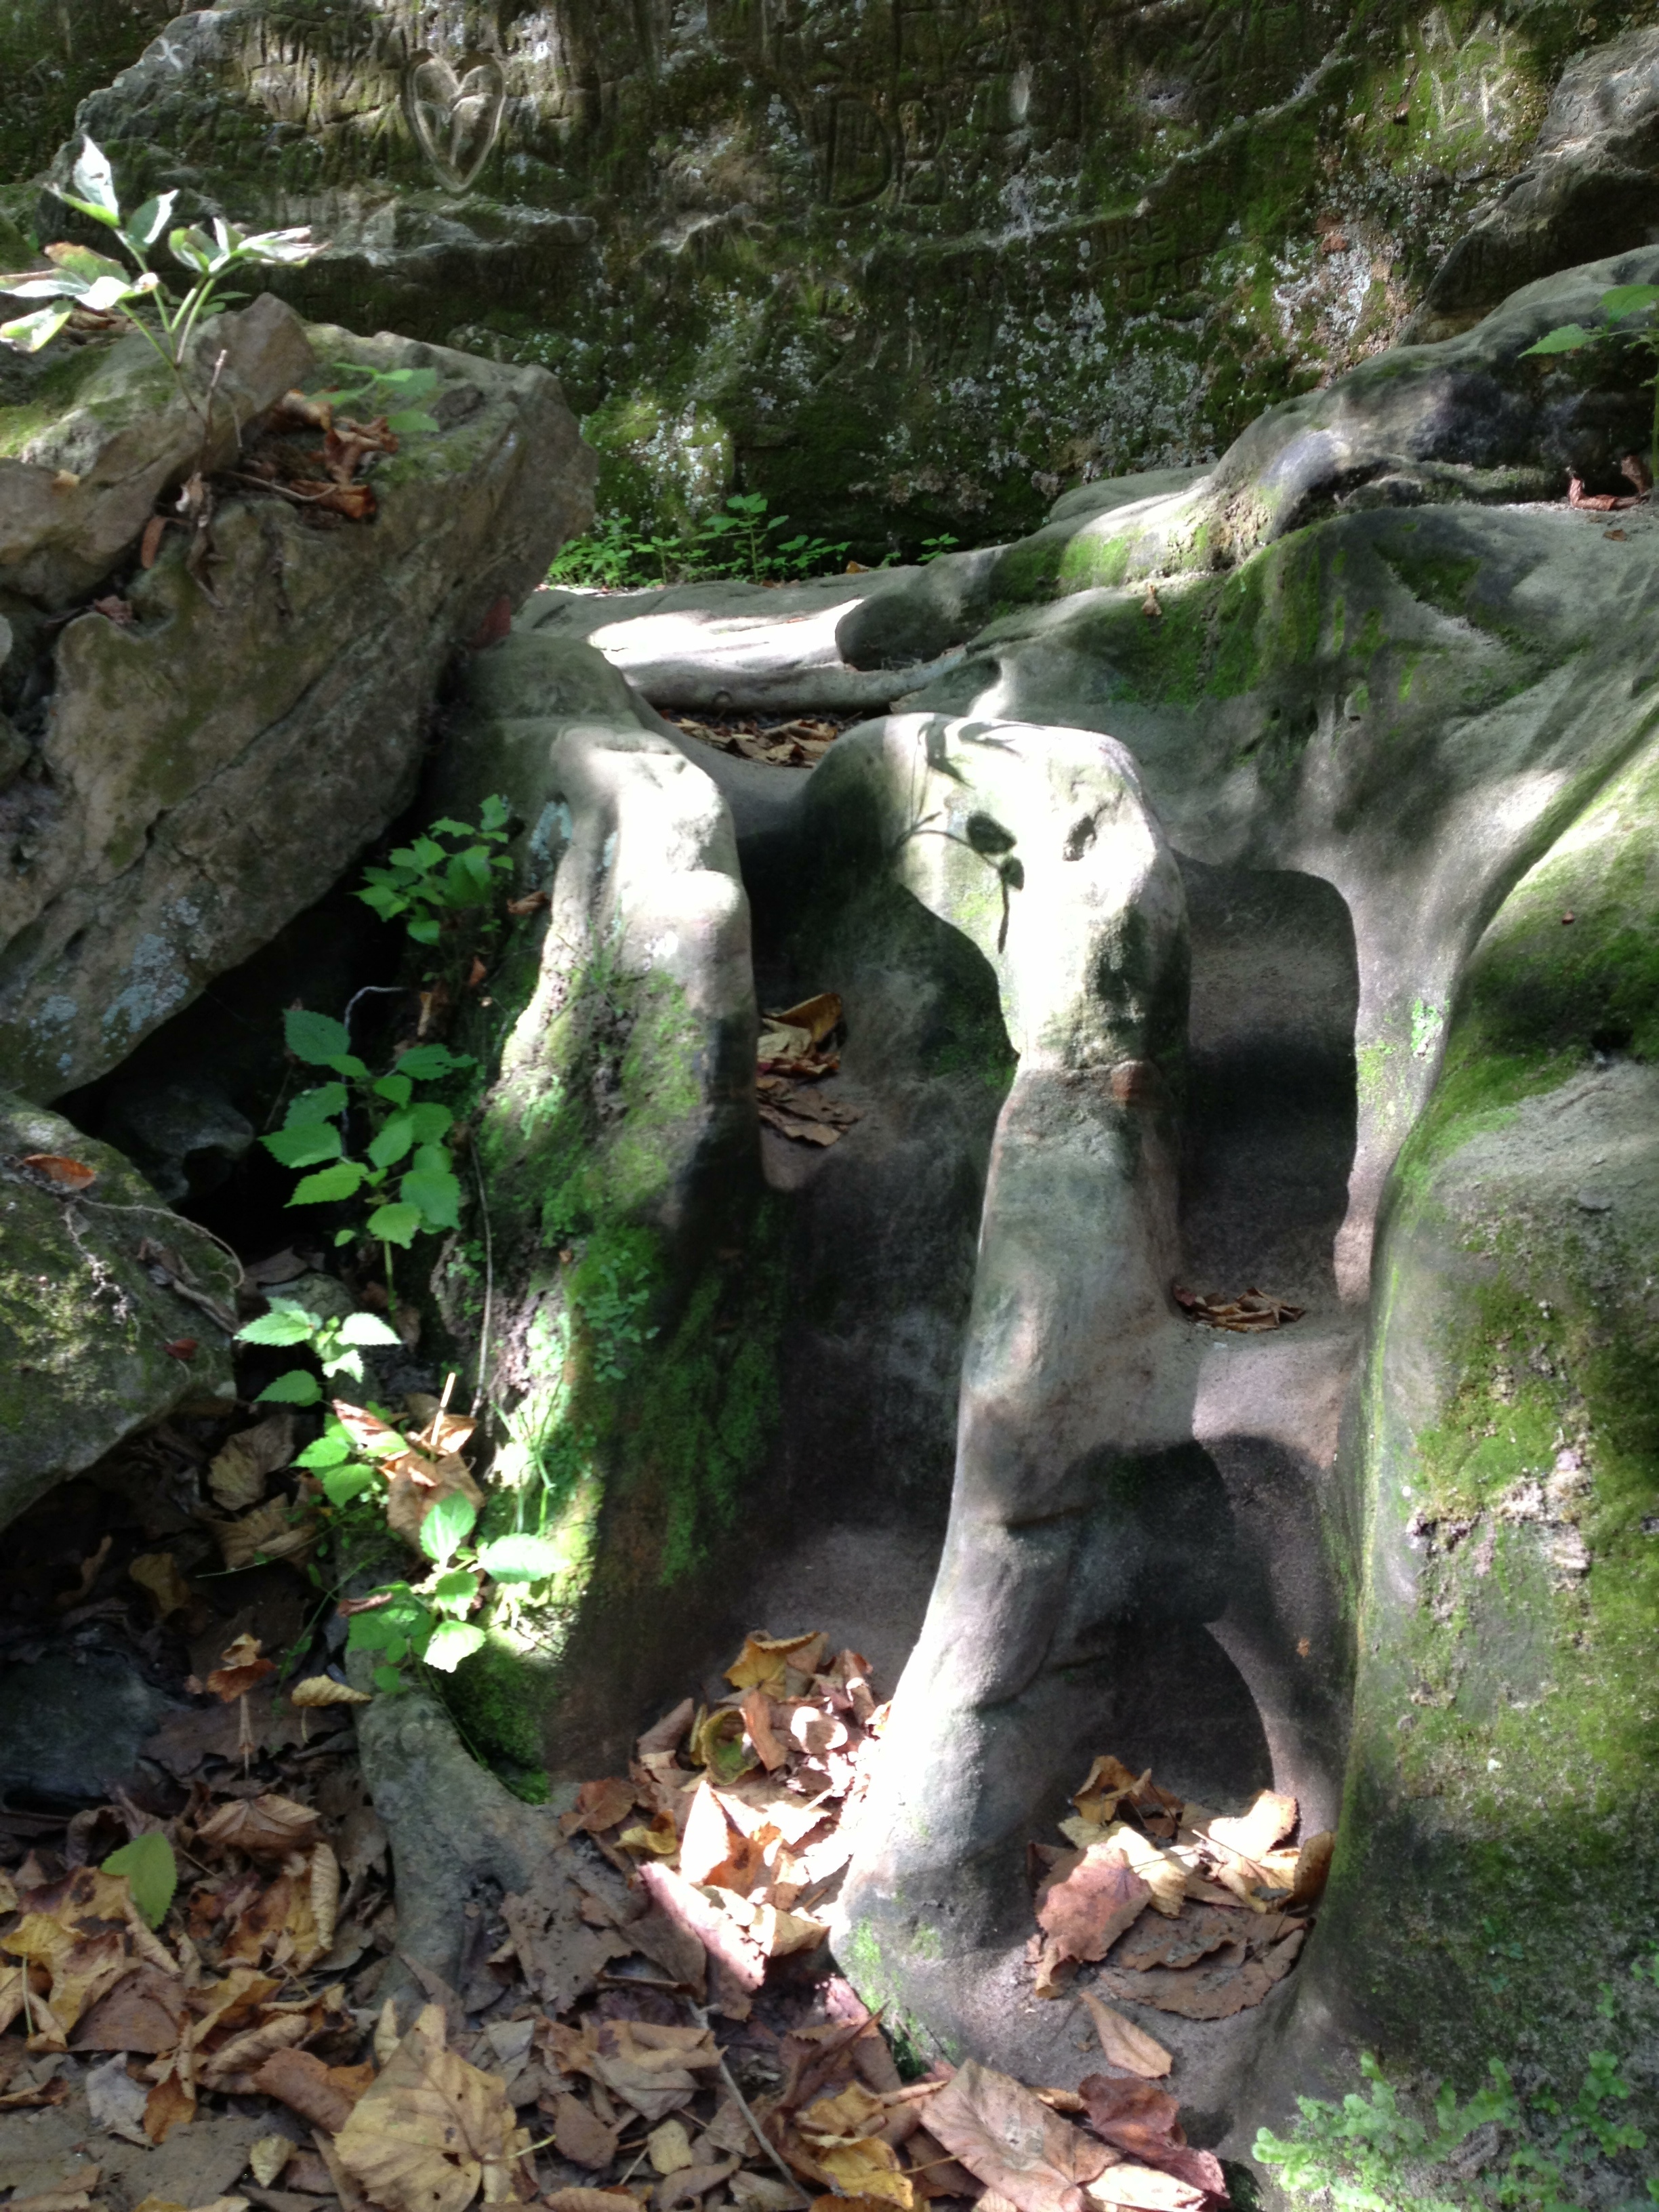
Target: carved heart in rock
{"points": [[455, 115]]}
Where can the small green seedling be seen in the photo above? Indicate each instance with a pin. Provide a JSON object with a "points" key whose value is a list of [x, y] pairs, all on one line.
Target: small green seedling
{"points": [[83, 278], [432, 880], [1618, 305], [337, 1345]]}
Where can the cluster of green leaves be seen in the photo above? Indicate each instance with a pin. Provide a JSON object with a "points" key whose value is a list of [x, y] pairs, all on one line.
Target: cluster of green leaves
{"points": [[1619, 306], [428, 1621], [740, 541], [338, 1346], [1373, 2152], [432, 882], [364, 393], [406, 1145], [83, 278], [611, 1301]]}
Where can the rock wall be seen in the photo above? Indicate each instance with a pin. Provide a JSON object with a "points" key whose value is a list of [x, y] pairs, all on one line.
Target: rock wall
{"points": [[906, 266]]}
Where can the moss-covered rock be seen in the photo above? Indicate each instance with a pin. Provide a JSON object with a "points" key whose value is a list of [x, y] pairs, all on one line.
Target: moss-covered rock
{"points": [[903, 268], [201, 773], [92, 1346]]}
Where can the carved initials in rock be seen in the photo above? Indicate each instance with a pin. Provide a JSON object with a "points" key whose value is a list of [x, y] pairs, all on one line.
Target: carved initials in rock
{"points": [[456, 118]]}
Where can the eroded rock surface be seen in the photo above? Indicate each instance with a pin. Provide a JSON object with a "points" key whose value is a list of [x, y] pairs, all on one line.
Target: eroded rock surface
{"points": [[201, 773], [92, 1346]]}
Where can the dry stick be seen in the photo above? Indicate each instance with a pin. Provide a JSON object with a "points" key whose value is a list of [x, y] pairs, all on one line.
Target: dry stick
{"points": [[490, 1281], [701, 2016]]}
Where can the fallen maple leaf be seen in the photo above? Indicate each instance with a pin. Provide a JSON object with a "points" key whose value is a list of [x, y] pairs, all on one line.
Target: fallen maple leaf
{"points": [[1008, 2139], [1124, 2043], [599, 1806], [432, 2130]]}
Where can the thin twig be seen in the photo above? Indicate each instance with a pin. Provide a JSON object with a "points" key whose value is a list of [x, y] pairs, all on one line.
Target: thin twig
{"points": [[490, 1281], [765, 2142], [180, 1221]]}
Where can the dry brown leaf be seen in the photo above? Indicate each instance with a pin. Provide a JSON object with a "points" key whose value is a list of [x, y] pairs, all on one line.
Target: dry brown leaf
{"points": [[266, 1827], [692, 2182], [1312, 1866], [766, 1661], [66, 1927], [238, 1472], [591, 2200], [667, 1732], [1010, 2140], [144, 2011], [669, 2148], [323, 1690], [325, 1898], [300, 2080], [652, 2068], [720, 1937], [1181, 1943], [1124, 2043], [818, 1016], [1256, 1832], [1163, 1873], [868, 2168], [581, 2136], [157, 1575], [599, 1806], [267, 2158], [1143, 2188], [246, 2053], [268, 1532], [1145, 2124], [432, 2130], [1086, 1911], [170, 2104], [417, 1480], [61, 1173]]}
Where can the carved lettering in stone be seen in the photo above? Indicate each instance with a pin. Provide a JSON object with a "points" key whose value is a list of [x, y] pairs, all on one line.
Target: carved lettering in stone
{"points": [[455, 113]]}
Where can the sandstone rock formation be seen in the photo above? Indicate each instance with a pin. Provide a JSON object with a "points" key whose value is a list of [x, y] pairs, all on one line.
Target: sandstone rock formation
{"points": [[202, 770], [906, 267], [92, 1347]]}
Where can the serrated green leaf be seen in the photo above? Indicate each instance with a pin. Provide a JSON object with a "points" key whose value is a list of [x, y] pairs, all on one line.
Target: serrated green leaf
{"points": [[343, 1180], [393, 1142], [347, 1063], [423, 1061], [397, 1088], [425, 930], [367, 1328], [286, 1323], [520, 1559], [450, 1641], [298, 1387], [409, 421], [395, 1224], [1627, 298], [304, 1143], [152, 1873], [448, 1523], [342, 1484], [387, 1680], [454, 1592], [331, 1449], [430, 1120], [348, 1362], [1569, 338], [315, 1038], [321, 1104], [434, 1188]]}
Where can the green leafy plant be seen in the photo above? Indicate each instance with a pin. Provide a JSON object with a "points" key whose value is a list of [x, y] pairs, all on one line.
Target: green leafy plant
{"points": [[152, 1873], [432, 882], [366, 393], [740, 542], [1619, 306], [933, 549], [338, 1346], [1374, 2153], [611, 1301], [83, 278]]}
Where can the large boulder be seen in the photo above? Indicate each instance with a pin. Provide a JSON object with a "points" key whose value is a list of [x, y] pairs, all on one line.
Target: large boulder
{"points": [[908, 269], [205, 770], [114, 1311]]}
